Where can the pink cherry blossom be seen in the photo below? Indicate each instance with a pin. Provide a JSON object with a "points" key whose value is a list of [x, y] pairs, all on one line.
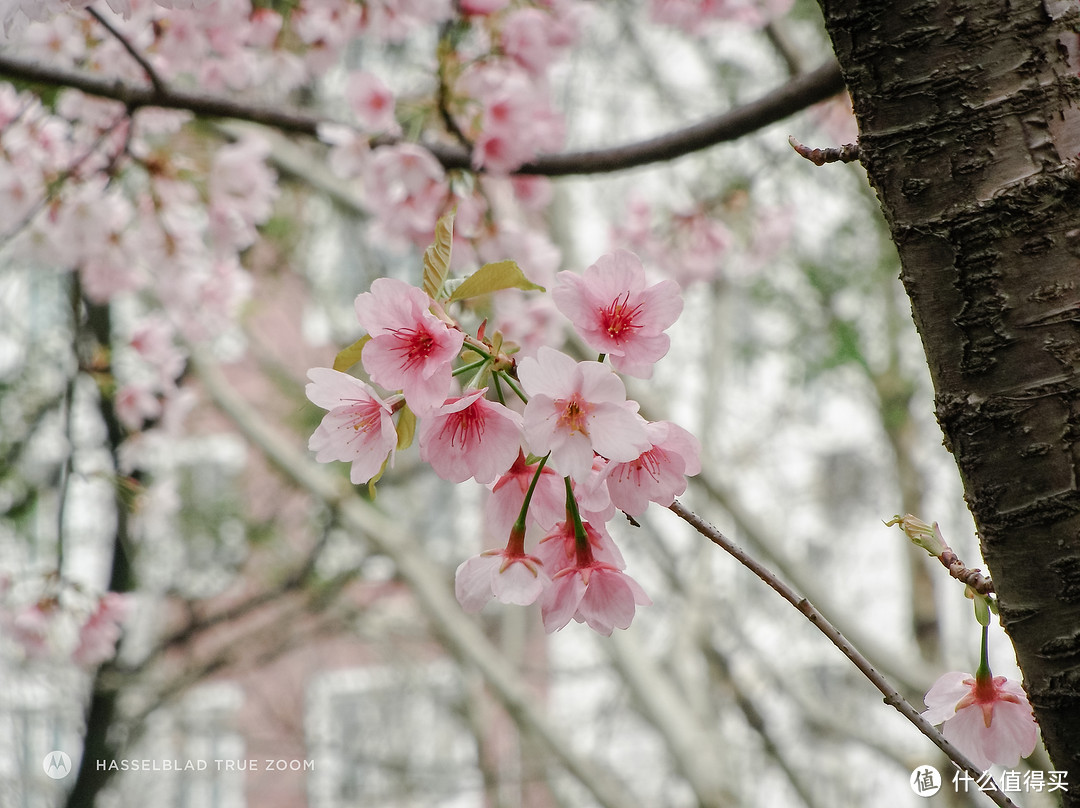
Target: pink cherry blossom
{"points": [[508, 494], [406, 189], [242, 190], [410, 349], [469, 436], [989, 720], [657, 475], [593, 498], [590, 591], [136, 403], [483, 7], [32, 627], [617, 314], [525, 38], [575, 409], [372, 102], [516, 119], [518, 579], [99, 634], [357, 428], [153, 340]]}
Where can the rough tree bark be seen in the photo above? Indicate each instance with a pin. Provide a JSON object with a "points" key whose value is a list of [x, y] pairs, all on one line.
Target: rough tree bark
{"points": [[969, 130]]}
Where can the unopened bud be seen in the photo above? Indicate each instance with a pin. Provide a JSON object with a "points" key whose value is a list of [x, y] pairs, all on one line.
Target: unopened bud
{"points": [[926, 536]]}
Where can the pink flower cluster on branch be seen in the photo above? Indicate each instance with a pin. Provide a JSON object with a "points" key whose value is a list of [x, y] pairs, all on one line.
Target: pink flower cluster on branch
{"points": [[556, 439], [60, 621]]}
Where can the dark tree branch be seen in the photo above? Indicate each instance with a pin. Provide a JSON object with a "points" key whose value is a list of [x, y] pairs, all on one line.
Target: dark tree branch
{"points": [[151, 73], [798, 94]]}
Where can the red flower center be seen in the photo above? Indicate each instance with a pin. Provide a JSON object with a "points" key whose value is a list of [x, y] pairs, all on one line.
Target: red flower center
{"points": [[618, 318], [414, 345]]}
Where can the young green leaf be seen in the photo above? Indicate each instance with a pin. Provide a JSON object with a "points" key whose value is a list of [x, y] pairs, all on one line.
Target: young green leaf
{"points": [[406, 428], [493, 277], [347, 357], [437, 257]]}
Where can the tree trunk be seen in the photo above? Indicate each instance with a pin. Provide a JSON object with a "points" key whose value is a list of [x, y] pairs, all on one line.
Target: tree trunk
{"points": [[969, 130]]}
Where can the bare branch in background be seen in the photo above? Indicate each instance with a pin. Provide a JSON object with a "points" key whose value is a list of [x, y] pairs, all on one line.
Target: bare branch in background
{"points": [[798, 94]]}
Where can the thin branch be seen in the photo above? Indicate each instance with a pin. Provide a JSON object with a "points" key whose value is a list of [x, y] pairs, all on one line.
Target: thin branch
{"points": [[798, 94], [892, 696], [148, 68]]}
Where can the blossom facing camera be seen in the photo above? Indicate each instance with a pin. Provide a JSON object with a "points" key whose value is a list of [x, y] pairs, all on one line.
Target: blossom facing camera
{"points": [[358, 427], [617, 314], [987, 718], [410, 349], [575, 409]]}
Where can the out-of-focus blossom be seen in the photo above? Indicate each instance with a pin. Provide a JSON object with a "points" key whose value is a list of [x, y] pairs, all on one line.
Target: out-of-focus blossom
{"points": [[99, 634]]}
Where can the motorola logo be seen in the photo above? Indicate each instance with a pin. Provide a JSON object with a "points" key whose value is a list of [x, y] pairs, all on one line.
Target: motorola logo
{"points": [[57, 765]]}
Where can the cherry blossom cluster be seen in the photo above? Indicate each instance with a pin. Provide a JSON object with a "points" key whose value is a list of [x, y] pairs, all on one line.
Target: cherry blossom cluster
{"points": [[556, 440], [14, 14], [61, 621], [500, 98], [691, 242], [97, 192]]}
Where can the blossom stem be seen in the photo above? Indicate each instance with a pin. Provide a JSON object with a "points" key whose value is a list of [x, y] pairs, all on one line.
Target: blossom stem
{"points": [[471, 366], [519, 525], [983, 674], [476, 346], [498, 388], [601, 358], [581, 538], [513, 385]]}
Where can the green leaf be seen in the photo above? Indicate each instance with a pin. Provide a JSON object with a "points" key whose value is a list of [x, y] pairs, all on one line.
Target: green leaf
{"points": [[493, 277], [437, 257], [347, 357], [406, 428]]}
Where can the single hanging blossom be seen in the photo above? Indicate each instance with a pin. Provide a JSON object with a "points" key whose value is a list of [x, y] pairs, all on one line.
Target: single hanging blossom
{"points": [[987, 718], [410, 349], [358, 427], [508, 575], [575, 409], [617, 314], [469, 436], [589, 590], [558, 549]]}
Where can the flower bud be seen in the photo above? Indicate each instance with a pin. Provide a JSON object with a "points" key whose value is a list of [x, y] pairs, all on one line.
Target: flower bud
{"points": [[926, 536]]}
